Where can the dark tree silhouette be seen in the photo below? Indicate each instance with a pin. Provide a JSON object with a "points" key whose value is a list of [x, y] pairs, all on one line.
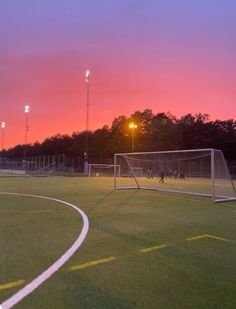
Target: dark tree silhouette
{"points": [[162, 131]]}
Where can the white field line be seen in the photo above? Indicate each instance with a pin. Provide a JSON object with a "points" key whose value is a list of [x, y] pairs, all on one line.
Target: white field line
{"points": [[30, 287]]}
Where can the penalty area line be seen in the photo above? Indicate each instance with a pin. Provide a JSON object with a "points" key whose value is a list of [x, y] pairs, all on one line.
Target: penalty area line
{"points": [[30, 287]]}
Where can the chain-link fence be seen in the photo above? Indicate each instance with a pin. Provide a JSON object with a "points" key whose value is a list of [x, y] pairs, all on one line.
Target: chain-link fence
{"points": [[47, 165]]}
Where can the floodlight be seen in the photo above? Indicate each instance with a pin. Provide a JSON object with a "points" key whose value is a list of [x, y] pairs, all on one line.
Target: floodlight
{"points": [[132, 125], [87, 76]]}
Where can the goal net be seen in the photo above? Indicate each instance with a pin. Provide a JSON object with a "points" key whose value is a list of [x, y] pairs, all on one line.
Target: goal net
{"points": [[201, 172], [104, 170], [137, 171], [47, 170]]}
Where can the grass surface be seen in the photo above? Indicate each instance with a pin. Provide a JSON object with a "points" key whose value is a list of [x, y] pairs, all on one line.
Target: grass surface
{"points": [[136, 254], [222, 187]]}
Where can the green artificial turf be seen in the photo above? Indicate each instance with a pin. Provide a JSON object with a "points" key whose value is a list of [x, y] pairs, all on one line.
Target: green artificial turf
{"points": [[200, 273]]}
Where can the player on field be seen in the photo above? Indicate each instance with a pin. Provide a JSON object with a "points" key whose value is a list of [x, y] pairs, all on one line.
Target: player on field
{"points": [[162, 176]]}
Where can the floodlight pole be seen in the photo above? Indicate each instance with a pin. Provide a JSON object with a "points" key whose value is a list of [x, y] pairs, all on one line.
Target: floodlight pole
{"points": [[132, 139], [132, 126], [27, 108], [26, 122], [3, 125], [87, 80]]}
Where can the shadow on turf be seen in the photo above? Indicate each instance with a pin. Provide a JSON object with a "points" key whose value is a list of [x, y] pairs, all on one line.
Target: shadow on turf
{"points": [[111, 230], [103, 198], [110, 193]]}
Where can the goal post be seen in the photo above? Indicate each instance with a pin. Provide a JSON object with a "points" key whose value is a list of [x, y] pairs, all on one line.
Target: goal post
{"points": [[202, 172], [104, 170]]}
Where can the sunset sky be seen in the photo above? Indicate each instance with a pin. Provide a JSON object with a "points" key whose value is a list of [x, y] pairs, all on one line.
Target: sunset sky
{"points": [[166, 55]]}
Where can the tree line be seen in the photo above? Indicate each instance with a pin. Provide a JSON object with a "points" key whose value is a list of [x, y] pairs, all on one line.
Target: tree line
{"points": [[154, 132]]}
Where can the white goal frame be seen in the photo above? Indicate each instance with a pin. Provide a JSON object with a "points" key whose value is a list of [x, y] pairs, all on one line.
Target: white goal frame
{"points": [[105, 166], [215, 197]]}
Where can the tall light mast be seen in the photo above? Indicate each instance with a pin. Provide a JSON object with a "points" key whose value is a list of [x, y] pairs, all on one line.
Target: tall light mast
{"points": [[27, 108], [3, 125], [87, 81]]}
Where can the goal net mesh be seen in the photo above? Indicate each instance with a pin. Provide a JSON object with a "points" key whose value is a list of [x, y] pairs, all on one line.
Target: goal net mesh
{"points": [[104, 170], [198, 172]]}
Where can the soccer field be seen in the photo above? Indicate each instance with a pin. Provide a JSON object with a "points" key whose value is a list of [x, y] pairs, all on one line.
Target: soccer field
{"points": [[144, 249]]}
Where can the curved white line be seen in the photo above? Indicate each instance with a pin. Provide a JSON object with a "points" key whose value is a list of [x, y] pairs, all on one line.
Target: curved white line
{"points": [[30, 287]]}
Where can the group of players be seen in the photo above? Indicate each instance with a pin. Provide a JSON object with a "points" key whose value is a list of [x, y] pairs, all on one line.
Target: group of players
{"points": [[163, 174]]}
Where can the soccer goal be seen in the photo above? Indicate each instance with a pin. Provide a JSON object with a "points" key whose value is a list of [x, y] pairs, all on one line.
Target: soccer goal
{"points": [[104, 170], [202, 172], [136, 171], [47, 170]]}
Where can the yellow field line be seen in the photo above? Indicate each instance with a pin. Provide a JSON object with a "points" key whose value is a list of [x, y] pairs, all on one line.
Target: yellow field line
{"points": [[196, 237], [145, 250], [11, 284], [206, 236], [92, 263], [112, 258], [216, 237]]}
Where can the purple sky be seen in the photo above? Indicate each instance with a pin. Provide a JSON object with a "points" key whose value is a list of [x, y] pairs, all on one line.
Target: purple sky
{"points": [[176, 56]]}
